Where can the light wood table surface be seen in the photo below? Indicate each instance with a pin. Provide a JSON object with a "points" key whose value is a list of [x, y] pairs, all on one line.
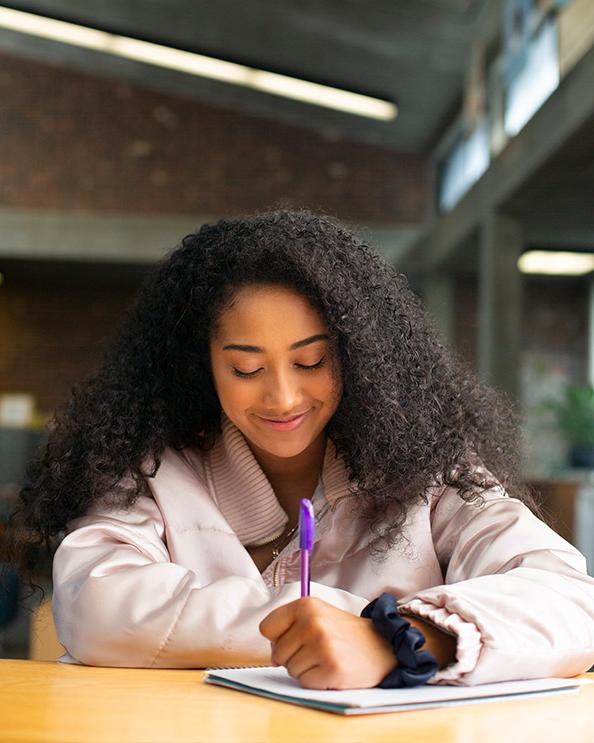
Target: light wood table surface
{"points": [[44, 701]]}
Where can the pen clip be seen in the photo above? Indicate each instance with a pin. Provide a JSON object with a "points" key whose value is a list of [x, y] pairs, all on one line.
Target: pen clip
{"points": [[306, 525]]}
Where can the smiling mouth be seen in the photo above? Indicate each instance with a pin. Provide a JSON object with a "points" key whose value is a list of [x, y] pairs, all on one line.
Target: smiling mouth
{"points": [[285, 424], [284, 420]]}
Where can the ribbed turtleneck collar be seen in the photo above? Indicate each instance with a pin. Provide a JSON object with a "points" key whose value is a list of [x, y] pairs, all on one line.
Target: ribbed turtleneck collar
{"points": [[245, 495]]}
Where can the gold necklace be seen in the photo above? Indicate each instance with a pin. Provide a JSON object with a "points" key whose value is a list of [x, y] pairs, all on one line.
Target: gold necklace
{"points": [[276, 543]]}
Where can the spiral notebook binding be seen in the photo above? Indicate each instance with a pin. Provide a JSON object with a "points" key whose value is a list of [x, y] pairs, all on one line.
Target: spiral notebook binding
{"points": [[236, 668]]}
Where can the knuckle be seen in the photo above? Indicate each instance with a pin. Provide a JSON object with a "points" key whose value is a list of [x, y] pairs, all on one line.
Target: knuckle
{"points": [[326, 647], [315, 627]]}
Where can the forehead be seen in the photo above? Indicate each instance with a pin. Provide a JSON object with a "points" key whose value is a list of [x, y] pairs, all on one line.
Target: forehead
{"points": [[258, 312]]}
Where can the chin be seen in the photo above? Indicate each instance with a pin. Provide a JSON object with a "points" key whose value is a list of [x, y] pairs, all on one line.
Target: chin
{"points": [[283, 449]]}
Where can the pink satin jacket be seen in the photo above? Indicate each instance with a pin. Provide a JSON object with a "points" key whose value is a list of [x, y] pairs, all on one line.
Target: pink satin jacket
{"points": [[169, 583]]}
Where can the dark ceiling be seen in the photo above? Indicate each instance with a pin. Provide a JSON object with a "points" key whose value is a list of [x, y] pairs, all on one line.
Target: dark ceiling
{"points": [[413, 52]]}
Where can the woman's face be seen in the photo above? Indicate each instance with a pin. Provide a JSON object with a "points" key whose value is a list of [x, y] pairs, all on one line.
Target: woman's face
{"points": [[273, 369]]}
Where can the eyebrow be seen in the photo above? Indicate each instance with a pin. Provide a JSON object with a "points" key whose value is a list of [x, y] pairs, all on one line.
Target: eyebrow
{"points": [[292, 347]]}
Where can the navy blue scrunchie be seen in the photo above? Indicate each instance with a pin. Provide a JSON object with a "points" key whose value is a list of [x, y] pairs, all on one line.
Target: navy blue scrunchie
{"points": [[415, 666]]}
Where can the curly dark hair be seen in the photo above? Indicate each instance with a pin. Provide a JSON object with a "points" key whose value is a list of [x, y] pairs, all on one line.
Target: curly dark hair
{"points": [[411, 416]]}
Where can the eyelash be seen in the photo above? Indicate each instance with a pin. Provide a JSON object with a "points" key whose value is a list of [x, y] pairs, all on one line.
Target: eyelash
{"points": [[247, 375]]}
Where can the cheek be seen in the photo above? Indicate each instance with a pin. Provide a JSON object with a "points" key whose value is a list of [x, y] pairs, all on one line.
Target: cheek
{"points": [[233, 393], [226, 385], [328, 388]]}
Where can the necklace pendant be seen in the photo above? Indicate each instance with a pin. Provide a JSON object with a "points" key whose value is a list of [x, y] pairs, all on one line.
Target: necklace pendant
{"points": [[282, 539]]}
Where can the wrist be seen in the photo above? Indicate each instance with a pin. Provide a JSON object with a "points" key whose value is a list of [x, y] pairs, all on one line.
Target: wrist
{"points": [[415, 665], [385, 660], [441, 644]]}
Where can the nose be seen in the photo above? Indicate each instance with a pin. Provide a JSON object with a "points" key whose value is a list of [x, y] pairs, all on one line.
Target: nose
{"points": [[283, 394]]}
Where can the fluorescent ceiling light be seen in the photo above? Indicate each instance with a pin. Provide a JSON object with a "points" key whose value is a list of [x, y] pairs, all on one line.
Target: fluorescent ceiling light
{"points": [[197, 64], [556, 262]]}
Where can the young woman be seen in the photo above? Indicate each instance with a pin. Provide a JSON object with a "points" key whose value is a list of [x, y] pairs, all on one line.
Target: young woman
{"points": [[275, 358]]}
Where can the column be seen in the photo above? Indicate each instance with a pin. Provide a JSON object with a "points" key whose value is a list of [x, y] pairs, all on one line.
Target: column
{"points": [[500, 303]]}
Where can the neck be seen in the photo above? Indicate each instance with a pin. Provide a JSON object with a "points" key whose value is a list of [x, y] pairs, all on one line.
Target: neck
{"points": [[290, 474]]}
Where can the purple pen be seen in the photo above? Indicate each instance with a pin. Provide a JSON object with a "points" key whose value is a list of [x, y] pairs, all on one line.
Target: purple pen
{"points": [[306, 540]]}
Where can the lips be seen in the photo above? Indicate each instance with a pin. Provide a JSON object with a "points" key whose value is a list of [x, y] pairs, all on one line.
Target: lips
{"points": [[285, 424], [284, 420]]}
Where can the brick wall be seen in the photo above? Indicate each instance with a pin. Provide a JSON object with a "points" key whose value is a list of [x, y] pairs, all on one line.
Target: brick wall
{"points": [[52, 336], [75, 142]]}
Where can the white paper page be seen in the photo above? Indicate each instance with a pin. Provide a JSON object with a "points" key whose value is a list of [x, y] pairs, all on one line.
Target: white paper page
{"points": [[277, 681]]}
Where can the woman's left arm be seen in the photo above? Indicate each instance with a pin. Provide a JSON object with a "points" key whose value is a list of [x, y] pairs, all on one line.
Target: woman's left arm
{"points": [[516, 594]]}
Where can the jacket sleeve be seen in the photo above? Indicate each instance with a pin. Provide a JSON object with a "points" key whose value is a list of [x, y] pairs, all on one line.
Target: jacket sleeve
{"points": [[516, 594], [119, 600]]}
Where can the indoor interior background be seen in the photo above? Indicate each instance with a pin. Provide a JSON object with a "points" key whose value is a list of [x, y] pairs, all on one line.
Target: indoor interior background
{"points": [[106, 161]]}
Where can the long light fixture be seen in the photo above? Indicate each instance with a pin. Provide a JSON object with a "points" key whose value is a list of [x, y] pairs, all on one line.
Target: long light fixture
{"points": [[556, 262], [197, 64]]}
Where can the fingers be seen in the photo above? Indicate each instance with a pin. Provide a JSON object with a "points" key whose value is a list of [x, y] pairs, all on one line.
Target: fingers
{"points": [[278, 621], [304, 646], [327, 648], [294, 652], [308, 638], [285, 647], [302, 663]]}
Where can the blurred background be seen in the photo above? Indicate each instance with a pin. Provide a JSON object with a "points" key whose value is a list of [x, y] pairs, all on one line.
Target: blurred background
{"points": [[457, 136]]}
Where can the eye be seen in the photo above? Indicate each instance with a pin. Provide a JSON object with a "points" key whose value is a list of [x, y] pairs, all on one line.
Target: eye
{"points": [[317, 365], [244, 374], [304, 367]]}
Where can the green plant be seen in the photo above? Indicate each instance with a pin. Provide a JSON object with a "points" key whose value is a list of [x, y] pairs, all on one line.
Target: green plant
{"points": [[575, 415]]}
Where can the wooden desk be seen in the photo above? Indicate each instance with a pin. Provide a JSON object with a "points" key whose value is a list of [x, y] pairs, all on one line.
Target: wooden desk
{"points": [[42, 701]]}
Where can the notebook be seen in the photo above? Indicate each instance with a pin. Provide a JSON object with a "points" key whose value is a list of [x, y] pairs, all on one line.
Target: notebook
{"points": [[275, 683]]}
